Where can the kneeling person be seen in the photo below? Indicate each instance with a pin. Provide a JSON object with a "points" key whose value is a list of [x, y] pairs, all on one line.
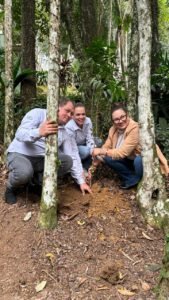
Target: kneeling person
{"points": [[26, 153], [81, 129]]}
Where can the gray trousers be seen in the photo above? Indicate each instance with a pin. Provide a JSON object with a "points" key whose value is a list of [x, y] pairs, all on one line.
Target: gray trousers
{"points": [[24, 169]]}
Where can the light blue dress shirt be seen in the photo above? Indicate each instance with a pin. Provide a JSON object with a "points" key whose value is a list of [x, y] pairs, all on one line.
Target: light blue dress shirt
{"points": [[27, 141], [82, 136]]}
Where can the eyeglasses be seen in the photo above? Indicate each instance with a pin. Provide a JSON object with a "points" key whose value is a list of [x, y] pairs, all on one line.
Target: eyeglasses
{"points": [[122, 118]]}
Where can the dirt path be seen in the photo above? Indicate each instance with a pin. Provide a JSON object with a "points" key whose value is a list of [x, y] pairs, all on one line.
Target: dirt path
{"points": [[100, 250]]}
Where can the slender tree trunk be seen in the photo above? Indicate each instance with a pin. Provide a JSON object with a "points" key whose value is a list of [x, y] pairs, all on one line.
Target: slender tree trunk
{"points": [[48, 207], [28, 85], [110, 23], [9, 118], [155, 35], [151, 193], [133, 64]]}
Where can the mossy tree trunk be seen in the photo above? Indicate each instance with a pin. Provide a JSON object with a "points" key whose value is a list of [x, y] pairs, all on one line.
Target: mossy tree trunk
{"points": [[9, 117], [48, 207], [151, 193]]}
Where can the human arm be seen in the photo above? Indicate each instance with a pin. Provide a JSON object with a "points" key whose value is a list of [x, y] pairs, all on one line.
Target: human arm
{"points": [[85, 187], [130, 143], [163, 162], [34, 126], [69, 147]]}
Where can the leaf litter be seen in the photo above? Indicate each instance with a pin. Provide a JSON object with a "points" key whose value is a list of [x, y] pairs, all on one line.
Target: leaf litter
{"points": [[104, 236]]}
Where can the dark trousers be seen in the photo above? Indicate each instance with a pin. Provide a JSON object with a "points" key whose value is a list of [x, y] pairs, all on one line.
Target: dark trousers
{"points": [[130, 171], [23, 169]]}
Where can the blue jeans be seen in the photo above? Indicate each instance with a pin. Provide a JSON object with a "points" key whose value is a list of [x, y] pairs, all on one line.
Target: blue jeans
{"points": [[84, 153], [130, 171]]}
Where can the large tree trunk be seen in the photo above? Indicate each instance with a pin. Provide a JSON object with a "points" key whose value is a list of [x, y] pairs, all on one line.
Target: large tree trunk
{"points": [[48, 208], [133, 64], [28, 85], [68, 11], [9, 120], [151, 193], [89, 23]]}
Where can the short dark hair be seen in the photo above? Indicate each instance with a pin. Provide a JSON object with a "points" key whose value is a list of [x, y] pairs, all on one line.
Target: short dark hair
{"points": [[79, 104], [117, 107], [63, 101]]}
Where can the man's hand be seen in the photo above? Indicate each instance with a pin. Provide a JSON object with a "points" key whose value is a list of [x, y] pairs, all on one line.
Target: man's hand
{"points": [[47, 128], [84, 187]]}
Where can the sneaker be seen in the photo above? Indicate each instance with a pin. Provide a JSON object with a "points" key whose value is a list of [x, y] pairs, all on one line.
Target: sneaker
{"points": [[10, 196]]}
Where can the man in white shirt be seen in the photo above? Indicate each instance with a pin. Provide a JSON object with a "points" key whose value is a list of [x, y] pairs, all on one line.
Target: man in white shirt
{"points": [[25, 158]]}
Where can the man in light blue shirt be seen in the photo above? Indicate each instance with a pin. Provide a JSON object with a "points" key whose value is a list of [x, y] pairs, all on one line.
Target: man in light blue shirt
{"points": [[25, 157]]}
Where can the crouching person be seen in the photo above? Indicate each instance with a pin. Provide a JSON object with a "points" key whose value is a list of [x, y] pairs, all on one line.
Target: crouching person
{"points": [[122, 152], [81, 129], [25, 155]]}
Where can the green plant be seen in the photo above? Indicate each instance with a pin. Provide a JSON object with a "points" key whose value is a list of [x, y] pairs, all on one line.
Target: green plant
{"points": [[160, 88], [97, 81]]}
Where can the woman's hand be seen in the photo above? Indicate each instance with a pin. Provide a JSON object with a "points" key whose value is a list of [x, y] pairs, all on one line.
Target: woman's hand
{"points": [[96, 151], [99, 151]]}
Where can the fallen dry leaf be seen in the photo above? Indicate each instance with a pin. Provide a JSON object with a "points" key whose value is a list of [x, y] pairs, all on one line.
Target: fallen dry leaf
{"points": [[28, 216], [102, 237], [81, 222], [81, 281], [51, 257], [102, 288], [145, 286], [146, 236], [125, 292], [40, 286]]}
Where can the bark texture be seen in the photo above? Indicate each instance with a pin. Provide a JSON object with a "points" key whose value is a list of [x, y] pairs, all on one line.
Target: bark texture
{"points": [[69, 16], [28, 85], [89, 24], [9, 114], [48, 207], [155, 35], [109, 36], [133, 64], [151, 193]]}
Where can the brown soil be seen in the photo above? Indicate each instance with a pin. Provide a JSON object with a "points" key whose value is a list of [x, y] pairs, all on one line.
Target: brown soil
{"points": [[100, 250]]}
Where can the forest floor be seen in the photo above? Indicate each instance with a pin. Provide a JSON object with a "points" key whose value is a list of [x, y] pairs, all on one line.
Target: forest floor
{"points": [[100, 250]]}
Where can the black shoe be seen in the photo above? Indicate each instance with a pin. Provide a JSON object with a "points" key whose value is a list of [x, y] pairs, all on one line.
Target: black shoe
{"points": [[10, 196], [127, 187], [35, 189]]}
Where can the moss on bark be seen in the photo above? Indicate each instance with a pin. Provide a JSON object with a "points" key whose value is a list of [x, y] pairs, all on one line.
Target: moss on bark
{"points": [[47, 217]]}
